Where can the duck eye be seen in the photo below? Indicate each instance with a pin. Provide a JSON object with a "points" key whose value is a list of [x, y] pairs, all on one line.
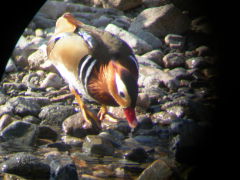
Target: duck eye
{"points": [[122, 94]]}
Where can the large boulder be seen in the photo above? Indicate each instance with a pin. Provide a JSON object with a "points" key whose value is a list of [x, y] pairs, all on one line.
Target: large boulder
{"points": [[161, 21]]}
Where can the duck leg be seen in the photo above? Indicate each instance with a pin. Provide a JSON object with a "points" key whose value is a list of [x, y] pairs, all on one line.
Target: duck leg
{"points": [[103, 112], [90, 118]]}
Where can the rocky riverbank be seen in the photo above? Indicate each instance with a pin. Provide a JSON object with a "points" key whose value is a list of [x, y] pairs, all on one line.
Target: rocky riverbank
{"points": [[41, 134]]}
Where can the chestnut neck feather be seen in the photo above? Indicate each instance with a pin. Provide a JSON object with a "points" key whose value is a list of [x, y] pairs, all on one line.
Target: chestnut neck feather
{"points": [[98, 87]]}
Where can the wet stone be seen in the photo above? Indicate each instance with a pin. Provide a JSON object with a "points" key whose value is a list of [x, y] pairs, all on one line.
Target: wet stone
{"points": [[158, 170], [137, 155], [195, 62], [46, 132], [97, 145], [26, 165], [74, 126], [52, 80], [175, 41], [22, 132], [62, 167], [172, 60], [178, 111], [163, 117], [23, 106], [115, 137], [5, 120], [147, 140], [55, 114], [31, 119]]}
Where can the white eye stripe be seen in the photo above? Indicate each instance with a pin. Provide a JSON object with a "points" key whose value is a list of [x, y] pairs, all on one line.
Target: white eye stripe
{"points": [[132, 57], [121, 88]]}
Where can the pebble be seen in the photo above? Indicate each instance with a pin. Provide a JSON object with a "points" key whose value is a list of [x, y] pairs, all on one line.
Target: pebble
{"points": [[37, 58], [74, 126], [178, 111], [62, 167], [155, 55], [52, 80], [102, 21], [178, 72], [163, 117], [175, 41], [121, 4], [161, 21], [173, 60], [31, 119], [138, 45], [54, 115], [158, 170], [10, 67], [122, 22], [22, 132], [151, 39], [23, 106], [46, 132], [26, 165], [143, 100], [96, 145], [137, 155], [147, 140], [195, 62], [5, 120]]}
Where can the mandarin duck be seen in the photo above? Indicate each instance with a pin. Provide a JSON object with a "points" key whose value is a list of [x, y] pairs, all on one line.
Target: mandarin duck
{"points": [[96, 64]]}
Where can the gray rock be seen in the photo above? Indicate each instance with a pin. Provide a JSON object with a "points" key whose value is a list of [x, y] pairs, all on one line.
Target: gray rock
{"points": [[161, 21], [172, 60], [31, 119], [178, 72], [177, 111], [122, 22], [152, 77], [102, 21], [114, 136], [98, 146], [154, 55], [23, 106], [163, 117], [42, 21], [3, 98], [53, 9], [137, 155], [74, 126], [26, 165], [22, 132], [46, 132], [55, 114], [143, 100], [152, 40], [139, 46], [10, 67], [175, 41], [62, 167], [155, 3], [121, 4], [147, 140], [36, 59], [147, 62], [5, 120], [203, 51], [52, 80], [158, 170], [195, 62]]}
